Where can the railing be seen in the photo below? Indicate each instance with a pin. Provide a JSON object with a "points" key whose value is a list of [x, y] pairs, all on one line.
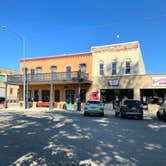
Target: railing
{"points": [[48, 77]]}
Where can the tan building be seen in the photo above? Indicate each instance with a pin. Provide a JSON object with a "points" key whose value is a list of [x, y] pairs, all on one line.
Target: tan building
{"points": [[119, 72], [10, 92]]}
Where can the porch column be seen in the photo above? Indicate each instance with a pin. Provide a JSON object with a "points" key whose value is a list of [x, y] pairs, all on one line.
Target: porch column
{"points": [[51, 106]]}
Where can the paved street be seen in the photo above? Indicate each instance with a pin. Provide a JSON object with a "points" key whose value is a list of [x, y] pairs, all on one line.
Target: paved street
{"points": [[68, 138]]}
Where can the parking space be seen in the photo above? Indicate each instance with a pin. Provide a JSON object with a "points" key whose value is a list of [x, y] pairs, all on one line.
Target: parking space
{"points": [[69, 138]]}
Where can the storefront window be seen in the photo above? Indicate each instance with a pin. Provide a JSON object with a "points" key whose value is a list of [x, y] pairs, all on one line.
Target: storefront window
{"points": [[36, 95], [45, 95], [57, 95]]}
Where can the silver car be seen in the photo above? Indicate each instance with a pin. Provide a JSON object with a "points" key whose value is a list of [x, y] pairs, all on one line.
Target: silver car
{"points": [[94, 107]]}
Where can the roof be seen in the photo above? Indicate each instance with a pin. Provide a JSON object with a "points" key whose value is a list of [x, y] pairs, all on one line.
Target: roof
{"points": [[57, 56]]}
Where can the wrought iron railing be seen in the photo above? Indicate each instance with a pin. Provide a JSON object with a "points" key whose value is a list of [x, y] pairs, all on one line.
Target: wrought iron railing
{"points": [[48, 77]]}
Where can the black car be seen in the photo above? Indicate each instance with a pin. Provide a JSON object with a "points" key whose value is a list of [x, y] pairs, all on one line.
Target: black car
{"points": [[161, 113], [2, 100], [131, 108]]}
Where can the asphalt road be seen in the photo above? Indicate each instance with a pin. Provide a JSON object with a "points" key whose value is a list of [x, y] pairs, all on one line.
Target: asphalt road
{"points": [[68, 138]]}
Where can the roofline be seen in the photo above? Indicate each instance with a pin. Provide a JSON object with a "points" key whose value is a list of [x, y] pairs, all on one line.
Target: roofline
{"points": [[116, 44], [2, 68], [55, 56]]}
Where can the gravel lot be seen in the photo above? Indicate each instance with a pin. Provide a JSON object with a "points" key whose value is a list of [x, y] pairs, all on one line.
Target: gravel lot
{"points": [[68, 138]]}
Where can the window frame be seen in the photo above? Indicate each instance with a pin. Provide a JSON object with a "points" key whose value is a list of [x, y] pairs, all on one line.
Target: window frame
{"points": [[101, 70], [130, 67]]}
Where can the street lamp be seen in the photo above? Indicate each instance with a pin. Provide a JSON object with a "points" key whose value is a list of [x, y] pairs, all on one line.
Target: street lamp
{"points": [[79, 82], [25, 89]]}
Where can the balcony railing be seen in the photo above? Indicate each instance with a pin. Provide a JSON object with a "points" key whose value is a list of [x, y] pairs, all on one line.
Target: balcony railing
{"points": [[48, 77]]}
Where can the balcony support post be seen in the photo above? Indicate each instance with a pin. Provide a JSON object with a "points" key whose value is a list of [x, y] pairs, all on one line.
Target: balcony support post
{"points": [[51, 106]]}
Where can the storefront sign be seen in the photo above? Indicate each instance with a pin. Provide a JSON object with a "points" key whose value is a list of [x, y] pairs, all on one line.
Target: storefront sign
{"points": [[113, 82], [158, 81], [94, 95]]}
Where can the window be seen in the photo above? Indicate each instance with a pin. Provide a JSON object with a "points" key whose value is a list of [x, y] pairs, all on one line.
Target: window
{"points": [[128, 67], [68, 71], [57, 95], [11, 90], [83, 67], [114, 66], [45, 95], [32, 71], [39, 70], [53, 69], [32, 74], [2, 78], [36, 95], [101, 68]]}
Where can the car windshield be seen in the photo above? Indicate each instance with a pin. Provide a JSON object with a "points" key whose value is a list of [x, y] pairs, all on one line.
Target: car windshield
{"points": [[132, 103], [93, 102]]}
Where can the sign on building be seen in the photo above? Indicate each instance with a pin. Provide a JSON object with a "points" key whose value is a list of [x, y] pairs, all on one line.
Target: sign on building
{"points": [[158, 81], [113, 82]]}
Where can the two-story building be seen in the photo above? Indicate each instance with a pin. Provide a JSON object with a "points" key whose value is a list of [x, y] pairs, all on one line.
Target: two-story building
{"points": [[106, 73], [10, 91], [119, 72], [56, 78]]}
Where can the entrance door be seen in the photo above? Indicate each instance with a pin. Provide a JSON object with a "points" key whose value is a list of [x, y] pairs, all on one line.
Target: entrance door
{"points": [[70, 96]]}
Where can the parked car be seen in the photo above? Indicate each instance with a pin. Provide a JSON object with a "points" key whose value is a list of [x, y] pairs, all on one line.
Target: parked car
{"points": [[94, 107], [2, 100], [131, 108], [161, 113]]}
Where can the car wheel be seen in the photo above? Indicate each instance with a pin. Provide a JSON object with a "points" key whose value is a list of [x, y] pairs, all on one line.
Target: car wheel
{"points": [[85, 114], [102, 114], [141, 117], [158, 115]]}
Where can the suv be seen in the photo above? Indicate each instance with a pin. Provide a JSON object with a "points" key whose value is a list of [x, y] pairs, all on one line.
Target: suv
{"points": [[161, 113], [94, 107], [131, 108]]}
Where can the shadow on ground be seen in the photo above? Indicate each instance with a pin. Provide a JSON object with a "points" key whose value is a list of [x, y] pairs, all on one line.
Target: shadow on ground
{"points": [[68, 138]]}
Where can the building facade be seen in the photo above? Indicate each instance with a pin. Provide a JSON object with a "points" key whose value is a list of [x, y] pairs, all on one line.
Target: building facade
{"points": [[106, 72], [9, 91], [119, 72], [59, 79]]}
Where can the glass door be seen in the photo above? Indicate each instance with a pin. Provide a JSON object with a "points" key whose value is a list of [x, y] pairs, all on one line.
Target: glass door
{"points": [[70, 96]]}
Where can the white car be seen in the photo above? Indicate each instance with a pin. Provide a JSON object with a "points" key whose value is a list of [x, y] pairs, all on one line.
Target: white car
{"points": [[94, 107]]}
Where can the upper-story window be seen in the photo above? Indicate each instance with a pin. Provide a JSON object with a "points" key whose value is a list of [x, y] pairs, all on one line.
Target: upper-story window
{"points": [[32, 71], [68, 69], [128, 67], [83, 67], [2, 78], [101, 68], [114, 68], [39, 70], [53, 69]]}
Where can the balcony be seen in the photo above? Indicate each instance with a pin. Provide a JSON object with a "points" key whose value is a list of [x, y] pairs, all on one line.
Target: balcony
{"points": [[48, 77]]}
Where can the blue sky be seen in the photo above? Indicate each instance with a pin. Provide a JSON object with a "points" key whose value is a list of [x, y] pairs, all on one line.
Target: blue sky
{"points": [[53, 27]]}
